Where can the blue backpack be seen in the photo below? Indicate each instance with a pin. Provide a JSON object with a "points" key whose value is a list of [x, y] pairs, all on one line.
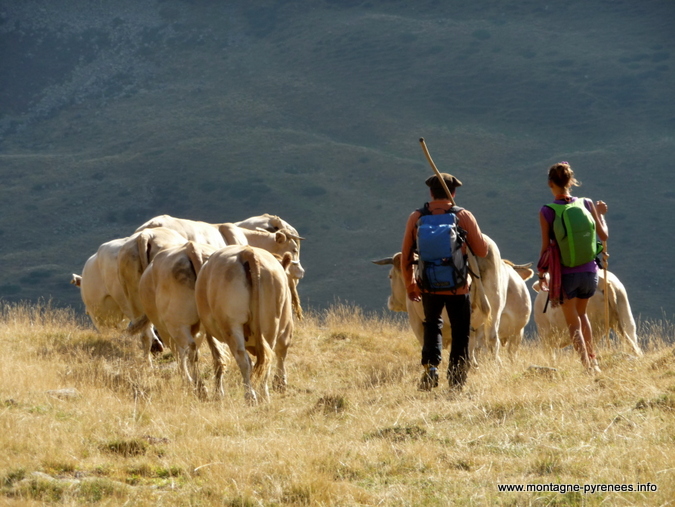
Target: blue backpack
{"points": [[441, 265]]}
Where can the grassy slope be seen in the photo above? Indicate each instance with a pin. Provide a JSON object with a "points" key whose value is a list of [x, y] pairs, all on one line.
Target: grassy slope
{"points": [[313, 110], [84, 421]]}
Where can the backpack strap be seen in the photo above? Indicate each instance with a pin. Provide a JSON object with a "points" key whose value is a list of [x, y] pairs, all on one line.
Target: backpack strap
{"points": [[424, 210]]}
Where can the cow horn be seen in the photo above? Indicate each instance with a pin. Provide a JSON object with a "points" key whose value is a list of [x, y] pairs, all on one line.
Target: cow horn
{"points": [[384, 262], [291, 235]]}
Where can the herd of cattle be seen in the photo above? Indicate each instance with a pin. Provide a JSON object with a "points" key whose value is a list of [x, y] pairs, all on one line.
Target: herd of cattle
{"points": [[179, 282], [158, 279]]}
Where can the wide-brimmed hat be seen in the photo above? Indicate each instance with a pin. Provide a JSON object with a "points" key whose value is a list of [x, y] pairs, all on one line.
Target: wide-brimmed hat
{"points": [[434, 183]]}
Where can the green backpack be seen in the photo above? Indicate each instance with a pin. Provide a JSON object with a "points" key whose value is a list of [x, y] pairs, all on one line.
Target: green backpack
{"points": [[574, 230]]}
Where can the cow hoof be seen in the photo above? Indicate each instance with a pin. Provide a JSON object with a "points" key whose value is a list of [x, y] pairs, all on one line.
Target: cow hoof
{"points": [[157, 347]]}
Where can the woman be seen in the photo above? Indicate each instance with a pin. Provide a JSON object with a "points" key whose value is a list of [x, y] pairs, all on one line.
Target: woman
{"points": [[576, 282]]}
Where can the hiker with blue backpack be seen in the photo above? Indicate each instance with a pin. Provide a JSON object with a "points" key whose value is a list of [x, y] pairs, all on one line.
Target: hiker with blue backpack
{"points": [[434, 268], [570, 227]]}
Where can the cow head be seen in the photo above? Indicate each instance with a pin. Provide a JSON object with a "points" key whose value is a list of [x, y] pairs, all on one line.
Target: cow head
{"points": [[396, 301], [288, 242]]}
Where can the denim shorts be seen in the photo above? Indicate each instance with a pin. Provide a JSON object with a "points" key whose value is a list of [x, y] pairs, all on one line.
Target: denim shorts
{"points": [[580, 285]]}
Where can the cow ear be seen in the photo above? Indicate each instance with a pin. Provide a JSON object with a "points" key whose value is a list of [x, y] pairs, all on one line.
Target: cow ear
{"points": [[396, 260], [383, 262], [280, 237], [287, 260], [275, 223]]}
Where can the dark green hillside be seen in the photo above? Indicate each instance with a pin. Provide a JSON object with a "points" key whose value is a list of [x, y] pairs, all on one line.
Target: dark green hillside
{"points": [[114, 112]]}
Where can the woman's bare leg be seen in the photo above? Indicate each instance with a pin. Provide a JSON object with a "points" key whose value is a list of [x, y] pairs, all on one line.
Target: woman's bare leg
{"points": [[575, 325]]}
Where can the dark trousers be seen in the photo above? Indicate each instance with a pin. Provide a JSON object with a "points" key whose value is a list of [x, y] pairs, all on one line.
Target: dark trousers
{"points": [[459, 313]]}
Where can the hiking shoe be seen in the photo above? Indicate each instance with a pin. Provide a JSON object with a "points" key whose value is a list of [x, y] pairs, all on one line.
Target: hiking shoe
{"points": [[594, 365], [429, 379]]}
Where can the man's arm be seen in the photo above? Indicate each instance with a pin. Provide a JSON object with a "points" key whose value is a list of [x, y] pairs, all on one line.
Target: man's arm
{"points": [[408, 256], [474, 236]]}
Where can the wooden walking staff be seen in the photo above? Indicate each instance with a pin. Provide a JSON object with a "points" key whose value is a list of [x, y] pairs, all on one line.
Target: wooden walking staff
{"points": [[605, 262], [438, 174]]}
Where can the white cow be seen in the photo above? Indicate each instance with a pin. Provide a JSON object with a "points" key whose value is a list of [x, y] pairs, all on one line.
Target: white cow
{"points": [[101, 291], [244, 300], [494, 282], [552, 328], [514, 316], [166, 294], [202, 233], [134, 256], [518, 308], [270, 223]]}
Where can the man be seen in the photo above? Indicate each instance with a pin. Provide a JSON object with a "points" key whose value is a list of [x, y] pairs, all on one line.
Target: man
{"points": [[455, 300]]}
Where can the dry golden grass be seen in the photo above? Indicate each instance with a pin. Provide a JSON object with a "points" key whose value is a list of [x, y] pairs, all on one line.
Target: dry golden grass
{"points": [[84, 421]]}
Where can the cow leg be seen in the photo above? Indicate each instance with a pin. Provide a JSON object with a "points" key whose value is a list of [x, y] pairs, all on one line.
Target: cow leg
{"points": [[493, 339], [279, 383], [237, 343], [513, 343], [188, 356], [476, 339], [417, 326], [193, 365], [218, 355], [627, 330], [148, 337]]}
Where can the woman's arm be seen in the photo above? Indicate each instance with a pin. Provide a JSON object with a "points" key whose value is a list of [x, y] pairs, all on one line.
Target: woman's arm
{"points": [[598, 211], [545, 233], [545, 241]]}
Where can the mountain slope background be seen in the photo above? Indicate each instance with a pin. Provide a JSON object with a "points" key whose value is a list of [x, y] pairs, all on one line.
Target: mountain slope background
{"points": [[114, 112]]}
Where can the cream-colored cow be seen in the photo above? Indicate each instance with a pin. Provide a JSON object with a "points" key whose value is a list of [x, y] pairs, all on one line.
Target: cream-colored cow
{"points": [[552, 328], [100, 289], [244, 300], [270, 223], [202, 233], [166, 291], [518, 308], [133, 258]]}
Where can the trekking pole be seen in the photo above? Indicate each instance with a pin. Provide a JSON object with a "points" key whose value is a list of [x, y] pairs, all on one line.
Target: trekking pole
{"points": [[438, 174], [605, 256]]}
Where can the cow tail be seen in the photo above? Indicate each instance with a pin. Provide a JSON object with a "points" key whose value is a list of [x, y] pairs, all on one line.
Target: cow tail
{"points": [[295, 298], [196, 256], [262, 351], [138, 325], [143, 243]]}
